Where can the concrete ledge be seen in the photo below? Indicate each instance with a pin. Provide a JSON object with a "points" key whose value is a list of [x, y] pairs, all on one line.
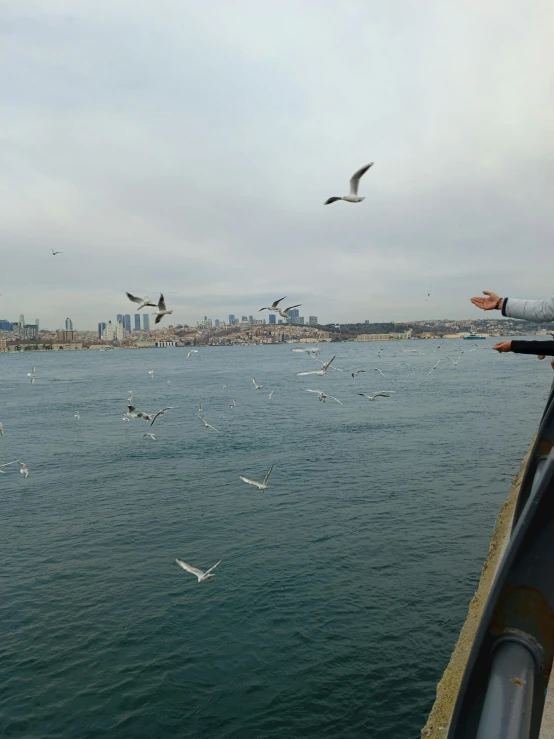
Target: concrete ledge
{"points": [[447, 689]]}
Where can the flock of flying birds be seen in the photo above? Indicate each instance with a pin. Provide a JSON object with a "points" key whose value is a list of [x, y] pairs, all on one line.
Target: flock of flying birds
{"points": [[151, 418]]}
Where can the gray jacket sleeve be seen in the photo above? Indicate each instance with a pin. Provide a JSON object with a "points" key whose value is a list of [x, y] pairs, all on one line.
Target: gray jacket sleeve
{"points": [[538, 311]]}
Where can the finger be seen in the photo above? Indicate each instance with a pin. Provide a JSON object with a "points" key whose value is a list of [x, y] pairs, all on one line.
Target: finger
{"points": [[487, 292]]}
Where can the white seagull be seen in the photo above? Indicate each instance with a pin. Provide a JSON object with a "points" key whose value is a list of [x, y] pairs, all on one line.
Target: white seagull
{"points": [[56, 252], [1, 429], [285, 313], [198, 573], [7, 464], [257, 386], [192, 351], [233, 404], [453, 362], [260, 485], [322, 371], [151, 373], [162, 310], [376, 395], [271, 394], [376, 369], [139, 414], [323, 396], [162, 413], [152, 436], [434, 367], [32, 374], [77, 415], [200, 409], [24, 471], [355, 374], [207, 425], [353, 196], [141, 301], [274, 305]]}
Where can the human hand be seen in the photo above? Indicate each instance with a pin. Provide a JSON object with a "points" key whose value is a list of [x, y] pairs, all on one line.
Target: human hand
{"points": [[503, 346], [552, 363], [488, 303]]}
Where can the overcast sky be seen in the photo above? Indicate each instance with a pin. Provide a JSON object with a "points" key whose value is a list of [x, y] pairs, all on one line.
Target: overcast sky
{"points": [[188, 147]]}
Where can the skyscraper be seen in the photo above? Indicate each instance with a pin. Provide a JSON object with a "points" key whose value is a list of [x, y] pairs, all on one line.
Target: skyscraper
{"points": [[251, 320], [119, 318], [146, 321], [312, 320], [101, 327], [293, 315], [68, 324], [231, 319], [108, 333], [137, 321], [216, 322], [37, 324], [127, 323], [272, 318], [120, 332]]}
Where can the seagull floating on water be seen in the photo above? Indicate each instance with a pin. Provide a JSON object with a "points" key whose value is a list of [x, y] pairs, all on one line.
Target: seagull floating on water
{"points": [[274, 305], [322, 371], [24, 471], [321, 396], [353, 196], [199, 574], [77, 415], [257, 386], [233, 404], [143, 302], [152, 436], [260, 485], [162, 310]]}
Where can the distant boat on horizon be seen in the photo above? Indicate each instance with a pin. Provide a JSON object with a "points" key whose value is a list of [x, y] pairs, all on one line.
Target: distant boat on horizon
{"points": [[474, 335]]}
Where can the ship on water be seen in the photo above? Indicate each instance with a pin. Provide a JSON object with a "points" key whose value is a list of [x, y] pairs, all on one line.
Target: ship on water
{"points": [[473, 335]]}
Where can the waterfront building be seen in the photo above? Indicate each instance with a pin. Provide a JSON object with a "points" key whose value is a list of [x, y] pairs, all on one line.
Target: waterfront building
{"points": [[68, 324], [127, 323], [108, 334], [120, 332], [272, 318], [146, 321], [312, 321], [30, 331], [101, 327], [137, 321]]}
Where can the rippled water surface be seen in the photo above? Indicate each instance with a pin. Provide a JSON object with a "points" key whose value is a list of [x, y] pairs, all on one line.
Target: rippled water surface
{"points": [[342, 588]]}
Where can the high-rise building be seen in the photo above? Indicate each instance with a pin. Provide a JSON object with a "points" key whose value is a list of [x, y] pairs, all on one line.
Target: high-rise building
{"points": [[293, 315], [37, 324], [108, 334], [137, 321], [101, 327], [146, 322], [30, 331], [216, 323], [312, 320], [120, 332], [300, 321], [68, 324], [251, 320], [244, 319], [366, 322], [21, 320], [127, 323], [207, 323], [231, 319], [5, 325], [272, 318]]}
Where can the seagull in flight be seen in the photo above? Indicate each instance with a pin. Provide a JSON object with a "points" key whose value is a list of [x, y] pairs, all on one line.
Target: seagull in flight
{"points": [[434, 367], [151, 373], [152, 436], [233, 404], [321, 396], [260, 485], [355, 374], [162, 310], [24, 471], [193, 570], [353, 196], [56, 252], [322, 371], [140, 414], [257, 386], [192, 351], [32, 373], [77, 415], [454, 362], [376, 395], [376, 369], [7, 464], [141, 301], [285, 313], [207, 425], [1, 429], [274, 305], [269, 396], [200, 409], [130, 398], [162, 413]]}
